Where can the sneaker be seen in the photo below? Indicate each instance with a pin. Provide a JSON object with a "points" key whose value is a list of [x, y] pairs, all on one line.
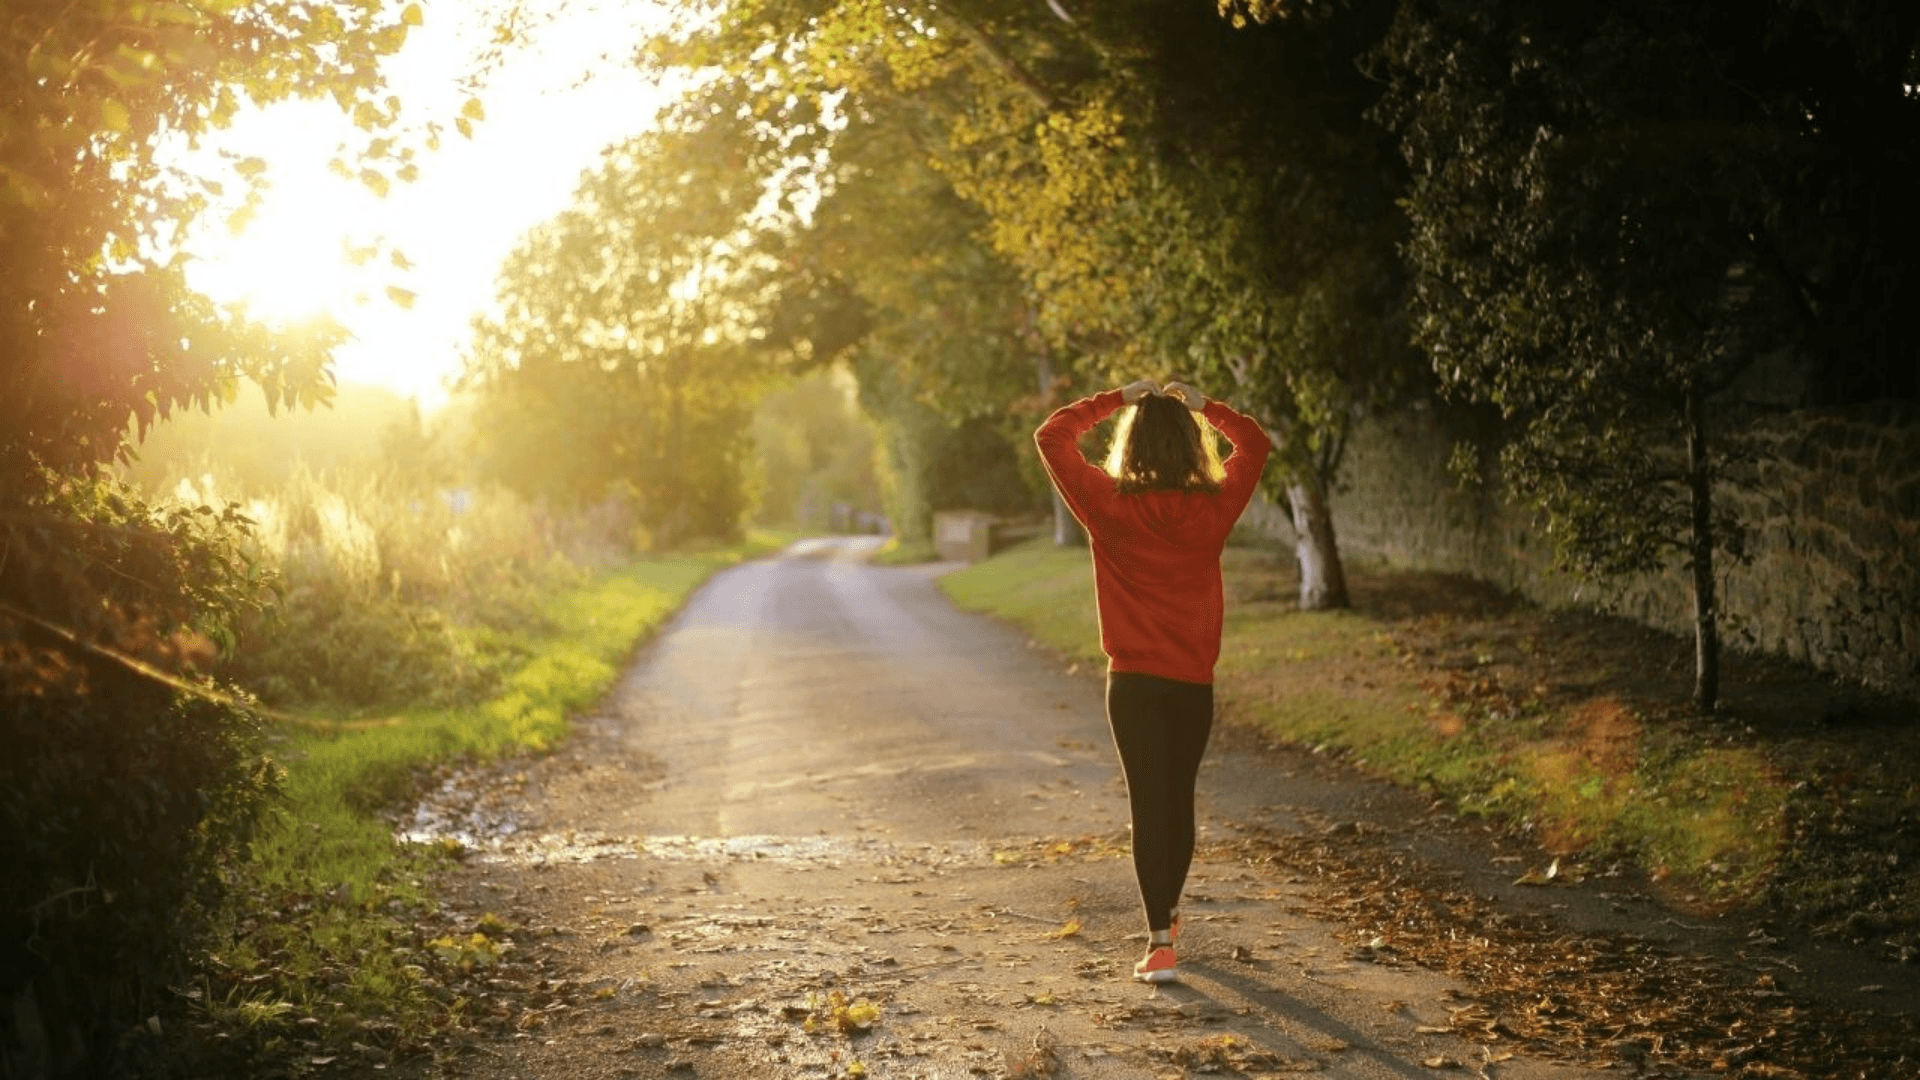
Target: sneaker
{"points": [[1158, 967]]}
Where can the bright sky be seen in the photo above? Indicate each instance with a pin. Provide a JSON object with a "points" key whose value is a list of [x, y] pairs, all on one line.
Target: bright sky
{"points": [[551, 106]]}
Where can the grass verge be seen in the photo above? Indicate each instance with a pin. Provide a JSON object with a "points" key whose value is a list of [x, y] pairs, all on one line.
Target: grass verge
{"points": [[332, 937], [896, 552], [1571, 727]]}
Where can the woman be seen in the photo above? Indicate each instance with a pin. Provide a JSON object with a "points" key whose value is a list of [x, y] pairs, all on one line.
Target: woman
{"points": [[1158, 517]]}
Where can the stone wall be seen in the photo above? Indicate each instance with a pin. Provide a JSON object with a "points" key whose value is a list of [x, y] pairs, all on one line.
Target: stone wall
{"points": [[1833, 505]]}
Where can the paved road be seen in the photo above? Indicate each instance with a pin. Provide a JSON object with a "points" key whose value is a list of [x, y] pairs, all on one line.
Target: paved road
{"points": [[822, 779]]}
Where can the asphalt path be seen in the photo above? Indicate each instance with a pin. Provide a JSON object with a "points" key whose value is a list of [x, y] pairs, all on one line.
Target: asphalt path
{"points": [[828, 826]]}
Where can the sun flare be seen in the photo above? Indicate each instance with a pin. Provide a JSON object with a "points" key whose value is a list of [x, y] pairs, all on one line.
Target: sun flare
{"points": [[287, 266]]}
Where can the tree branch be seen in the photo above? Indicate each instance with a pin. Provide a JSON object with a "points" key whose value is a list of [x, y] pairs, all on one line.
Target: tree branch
{"points": [[996, 56]]}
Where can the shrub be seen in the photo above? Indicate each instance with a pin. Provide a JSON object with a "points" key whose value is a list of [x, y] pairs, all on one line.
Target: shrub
{"points": [[386, 591], [128, 784]]}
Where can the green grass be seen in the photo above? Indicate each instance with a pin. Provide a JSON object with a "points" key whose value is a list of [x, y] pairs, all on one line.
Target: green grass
{"points": [[897, 553], [340, 771], [325, 931], [1047, 590], [1679, 802]]}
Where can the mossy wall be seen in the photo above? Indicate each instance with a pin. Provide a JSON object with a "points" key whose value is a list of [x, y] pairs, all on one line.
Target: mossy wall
{"points": [[1833, 503]]}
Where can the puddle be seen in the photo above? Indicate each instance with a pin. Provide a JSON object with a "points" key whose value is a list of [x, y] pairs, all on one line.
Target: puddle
{"points": [[480, 813], [514, 847]]}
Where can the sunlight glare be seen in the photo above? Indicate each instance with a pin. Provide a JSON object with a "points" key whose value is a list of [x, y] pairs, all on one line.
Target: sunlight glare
{"points": [[288, 265], [560, 96], [289, 262]]}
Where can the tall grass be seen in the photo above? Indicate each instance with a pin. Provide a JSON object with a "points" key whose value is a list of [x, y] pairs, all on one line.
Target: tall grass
{"points": [[391, 592]]}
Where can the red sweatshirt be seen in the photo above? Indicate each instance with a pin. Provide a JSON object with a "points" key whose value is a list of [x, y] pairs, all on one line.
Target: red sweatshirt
{"points": [[1156, 554]]}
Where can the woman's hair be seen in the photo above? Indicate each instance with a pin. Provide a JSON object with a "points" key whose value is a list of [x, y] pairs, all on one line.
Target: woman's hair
{"points": [[1158, 445]]}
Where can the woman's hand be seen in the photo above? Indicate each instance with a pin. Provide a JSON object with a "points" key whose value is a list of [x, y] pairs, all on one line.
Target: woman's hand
{"points": [[1187, 395], [1138, 389]]}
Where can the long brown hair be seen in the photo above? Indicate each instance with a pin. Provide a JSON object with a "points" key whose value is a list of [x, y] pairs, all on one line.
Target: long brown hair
{"points": [[1159, 446]]}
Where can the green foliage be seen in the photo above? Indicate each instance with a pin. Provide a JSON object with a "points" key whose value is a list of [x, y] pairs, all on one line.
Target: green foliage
{"points": [[1019, 201], [1553, 158], [975, 465], [124, 803], [115, 785], [621, 360], [1618, 209], [814, 450], [391, 594], [98, 321]]}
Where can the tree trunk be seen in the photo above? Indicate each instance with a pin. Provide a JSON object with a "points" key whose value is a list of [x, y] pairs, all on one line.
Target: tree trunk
{"points": [[908, 507], [1323, 580], [1066, 528], [1706, 619]]}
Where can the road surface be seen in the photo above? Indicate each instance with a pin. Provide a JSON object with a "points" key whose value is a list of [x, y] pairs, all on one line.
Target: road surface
{"points": [[830, 826]]}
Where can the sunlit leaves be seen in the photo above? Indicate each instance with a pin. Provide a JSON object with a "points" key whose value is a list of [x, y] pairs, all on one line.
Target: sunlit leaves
{"points": [[92, 87], [114, 115]]}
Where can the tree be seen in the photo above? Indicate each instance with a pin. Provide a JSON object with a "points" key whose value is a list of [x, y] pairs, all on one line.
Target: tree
{"points": [[125, 774], [1617, 208], [621, 360], [1174, 196], [943, 347], [883, 265]]}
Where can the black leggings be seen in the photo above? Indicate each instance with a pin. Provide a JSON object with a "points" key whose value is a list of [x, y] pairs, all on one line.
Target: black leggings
{"points": [[1160, 727]]}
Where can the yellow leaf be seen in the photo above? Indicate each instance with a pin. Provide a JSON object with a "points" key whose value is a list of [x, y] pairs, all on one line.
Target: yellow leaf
{"points": [[400, 296], [114, 116], [1071, 929], [859, 1016], [463, 125], [412, 16], [473, 110]]}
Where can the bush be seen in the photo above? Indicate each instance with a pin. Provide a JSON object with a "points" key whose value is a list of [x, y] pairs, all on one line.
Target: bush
{"points": [[387, 591], [128, 784]]}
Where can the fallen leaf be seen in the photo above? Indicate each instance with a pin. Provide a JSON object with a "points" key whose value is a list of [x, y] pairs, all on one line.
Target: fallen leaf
{"points": [[1540, 877]]}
